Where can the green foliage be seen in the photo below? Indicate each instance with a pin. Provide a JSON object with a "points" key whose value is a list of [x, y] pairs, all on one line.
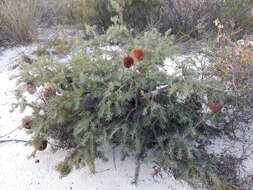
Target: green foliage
{"points": [[141, 109]]}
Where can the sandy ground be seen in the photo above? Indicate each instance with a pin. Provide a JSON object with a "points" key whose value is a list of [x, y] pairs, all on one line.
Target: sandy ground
{"points": [[17, 172]]}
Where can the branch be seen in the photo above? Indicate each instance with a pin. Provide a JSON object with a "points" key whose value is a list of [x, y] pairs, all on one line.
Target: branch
{"points": [[13, 140], [157, 92], [9, 132]]}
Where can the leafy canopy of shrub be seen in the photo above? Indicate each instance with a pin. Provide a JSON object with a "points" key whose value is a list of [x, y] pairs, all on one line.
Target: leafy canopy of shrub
{"points": [[93, 101]]}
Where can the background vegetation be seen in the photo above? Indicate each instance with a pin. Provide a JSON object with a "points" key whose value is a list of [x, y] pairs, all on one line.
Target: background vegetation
{"points": [[191, 18]]}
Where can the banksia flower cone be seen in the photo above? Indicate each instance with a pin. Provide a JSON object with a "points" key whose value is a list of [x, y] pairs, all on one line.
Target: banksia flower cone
{"points": [[250, 44], [137, 54], [48, 92], [42, 146], [128, 61], [216, 105], [27, 123], [197, 105]]}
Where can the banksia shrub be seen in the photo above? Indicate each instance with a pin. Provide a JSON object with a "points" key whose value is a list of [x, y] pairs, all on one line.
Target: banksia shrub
{"points": [[142, 109]]}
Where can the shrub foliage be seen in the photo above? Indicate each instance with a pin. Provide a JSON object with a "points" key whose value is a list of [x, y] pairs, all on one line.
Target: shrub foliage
{"points": [[120, 95]]}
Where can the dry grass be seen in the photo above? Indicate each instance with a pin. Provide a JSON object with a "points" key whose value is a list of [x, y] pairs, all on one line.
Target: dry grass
{"points": [[66, 11], [19, 19], [93, 12]]}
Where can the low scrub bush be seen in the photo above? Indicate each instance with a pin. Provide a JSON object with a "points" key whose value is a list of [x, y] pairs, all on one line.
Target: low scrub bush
{"points": [[135, 14], [19, 19], [233, 64], [121, 96], [59, 12], [193, 17], [93, 12], [236, 11], [186, 17]]}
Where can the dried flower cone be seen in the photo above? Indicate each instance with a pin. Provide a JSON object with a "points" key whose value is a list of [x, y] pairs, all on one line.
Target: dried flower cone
{"points": [[250, 44], [27, 123], [42, 146], [197, 105], [240, 43], [27, 59], [216, 105], [237, 67], [48, 92]]}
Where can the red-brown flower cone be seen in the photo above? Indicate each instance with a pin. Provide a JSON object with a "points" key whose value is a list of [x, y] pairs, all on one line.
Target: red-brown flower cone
{"points": [[137, 54], [128, 62]]}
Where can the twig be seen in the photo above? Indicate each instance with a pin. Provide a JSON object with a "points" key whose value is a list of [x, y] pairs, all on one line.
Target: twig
{"points": [[138, 166], [113, 156], [232, 185], [13, 140], [103, 171], [9, 132]]}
